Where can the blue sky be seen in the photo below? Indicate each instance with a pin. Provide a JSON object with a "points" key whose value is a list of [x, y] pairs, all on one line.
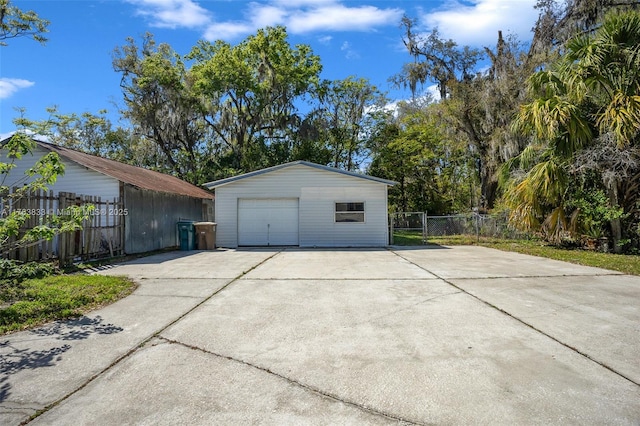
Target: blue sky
{"points": [[73, 70]]}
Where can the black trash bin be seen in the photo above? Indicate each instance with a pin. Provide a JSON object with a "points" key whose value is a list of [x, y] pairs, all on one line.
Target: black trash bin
{"points": [[186, 235]]}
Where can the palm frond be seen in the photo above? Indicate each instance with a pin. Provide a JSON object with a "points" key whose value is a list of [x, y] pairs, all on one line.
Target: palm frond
{"points": [[622, 117]]}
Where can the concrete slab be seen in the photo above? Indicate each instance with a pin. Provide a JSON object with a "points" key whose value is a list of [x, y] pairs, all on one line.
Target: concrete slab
{"points": [[598, 315], [482, 262], [337, 264], [43, 365], [173, 287], [292, 311], [416, 350], [40, 366], [170, 384], [214, 264], [339, 337]]}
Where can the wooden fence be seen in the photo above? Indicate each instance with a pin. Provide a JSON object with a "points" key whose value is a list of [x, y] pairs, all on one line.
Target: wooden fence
{"points": [[102, 234]]}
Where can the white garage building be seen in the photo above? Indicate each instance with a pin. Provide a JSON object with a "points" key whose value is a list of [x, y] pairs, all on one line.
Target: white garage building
{"points": [[301, 204]]}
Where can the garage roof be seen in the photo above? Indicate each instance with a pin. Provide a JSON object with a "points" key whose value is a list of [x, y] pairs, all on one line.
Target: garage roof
{"points": [[221, 182]]}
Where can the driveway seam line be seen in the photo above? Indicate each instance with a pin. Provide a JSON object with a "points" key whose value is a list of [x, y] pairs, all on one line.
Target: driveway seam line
{"points": [[147, 278], [339, 279], [495, 277], [297, 383], [136, 347], [555, 339], [162, 296]]}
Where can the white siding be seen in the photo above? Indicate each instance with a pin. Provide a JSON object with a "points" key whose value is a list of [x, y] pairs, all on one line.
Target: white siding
{"points": [[76, 178], [317, 191], [317, 217]]}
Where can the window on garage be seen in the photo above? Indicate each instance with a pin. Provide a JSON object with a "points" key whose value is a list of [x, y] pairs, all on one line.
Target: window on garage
{"points": [[350, 212]]}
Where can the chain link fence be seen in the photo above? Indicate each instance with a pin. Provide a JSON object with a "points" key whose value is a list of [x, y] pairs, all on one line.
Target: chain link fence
{"points": [[418, 227], [408, 225]]}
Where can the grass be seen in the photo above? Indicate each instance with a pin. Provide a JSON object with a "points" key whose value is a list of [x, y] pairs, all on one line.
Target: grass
{"points": [[37, 301], [627, 264], [407, 238]]}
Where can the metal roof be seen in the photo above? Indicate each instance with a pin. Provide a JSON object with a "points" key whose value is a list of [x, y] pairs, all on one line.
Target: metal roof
{"points": [[221, 182], [132, 175]]}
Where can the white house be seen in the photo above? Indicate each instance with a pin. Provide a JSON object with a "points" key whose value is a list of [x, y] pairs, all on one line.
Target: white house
{"points": [[301, 204]]}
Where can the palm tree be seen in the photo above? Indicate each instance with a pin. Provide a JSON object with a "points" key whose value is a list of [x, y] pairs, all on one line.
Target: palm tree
{"points": [[589, 96]]}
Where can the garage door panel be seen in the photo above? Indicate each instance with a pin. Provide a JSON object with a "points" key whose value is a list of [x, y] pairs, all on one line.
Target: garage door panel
{"points": [[268, 222]]}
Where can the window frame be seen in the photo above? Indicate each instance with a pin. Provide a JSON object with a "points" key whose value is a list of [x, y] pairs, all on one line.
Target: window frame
{"points": [[336, 212]]}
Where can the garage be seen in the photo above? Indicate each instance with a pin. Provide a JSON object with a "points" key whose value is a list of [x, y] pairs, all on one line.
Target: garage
{"points": [[268, 222], [301, 204]]}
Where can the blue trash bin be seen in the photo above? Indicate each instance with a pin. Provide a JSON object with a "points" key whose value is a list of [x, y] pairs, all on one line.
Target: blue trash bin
{"points": [[186, 235]]}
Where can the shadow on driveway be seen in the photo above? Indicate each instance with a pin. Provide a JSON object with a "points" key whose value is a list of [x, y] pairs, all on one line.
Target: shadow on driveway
{"points": [[14, 359]]}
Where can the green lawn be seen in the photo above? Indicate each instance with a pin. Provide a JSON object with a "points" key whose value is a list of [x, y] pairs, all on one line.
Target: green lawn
{"points": [[628, 264], [37, 301], [407, 238]]}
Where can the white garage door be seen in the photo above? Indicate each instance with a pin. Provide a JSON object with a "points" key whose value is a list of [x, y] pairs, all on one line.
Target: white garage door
{"points": [[268, 222]]}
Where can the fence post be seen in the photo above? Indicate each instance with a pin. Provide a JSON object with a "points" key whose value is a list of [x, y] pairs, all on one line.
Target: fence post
{"points": [[391, 229], [424, 228], [62, 237], [50, 252]]}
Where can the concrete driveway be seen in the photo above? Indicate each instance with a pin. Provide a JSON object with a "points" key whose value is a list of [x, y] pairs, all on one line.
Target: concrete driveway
{"points": [[460, 335]]}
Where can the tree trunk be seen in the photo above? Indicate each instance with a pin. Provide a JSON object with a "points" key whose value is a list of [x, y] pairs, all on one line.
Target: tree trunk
{"points": [[616, 225], [488, 188]]}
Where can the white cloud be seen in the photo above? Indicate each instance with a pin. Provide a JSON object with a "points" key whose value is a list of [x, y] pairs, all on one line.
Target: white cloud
{"points": [[227, 30], [473, 22], [478, 24], [299, 16], [349, 52], [9, 86], [300, 3], [263, 15], [338, 17], [431, 92], [31, 133], [173, 13], [325, 39], [428, 95], [4, 136]]}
